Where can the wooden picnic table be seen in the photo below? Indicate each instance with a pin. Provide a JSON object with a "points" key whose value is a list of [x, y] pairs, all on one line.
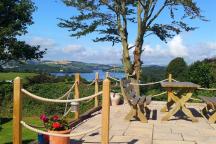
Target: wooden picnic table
{"points": [[178, 93]]}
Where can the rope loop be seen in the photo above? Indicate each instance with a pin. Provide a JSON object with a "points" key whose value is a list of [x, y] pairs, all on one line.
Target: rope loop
{"points": [[151, 83], [57, 100], [156, 95], [55, 134], [67, 93], [115, 79], [207, 89]]}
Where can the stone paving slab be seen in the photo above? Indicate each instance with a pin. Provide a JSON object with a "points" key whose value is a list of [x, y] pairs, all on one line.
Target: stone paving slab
{"points": [[178, 130]]}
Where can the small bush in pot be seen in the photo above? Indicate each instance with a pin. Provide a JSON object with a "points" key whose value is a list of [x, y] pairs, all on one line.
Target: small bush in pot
{"points": [[57, 125]]}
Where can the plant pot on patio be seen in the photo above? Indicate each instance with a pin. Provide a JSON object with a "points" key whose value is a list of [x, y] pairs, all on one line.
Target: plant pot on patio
{"points": [[115, 98], [56, 125], [59, 140]]}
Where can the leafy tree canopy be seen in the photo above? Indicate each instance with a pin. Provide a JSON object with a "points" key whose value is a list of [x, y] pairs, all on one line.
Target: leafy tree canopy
{"points": [[15, 17], [200, 72], [110, 18], [178, 68]]}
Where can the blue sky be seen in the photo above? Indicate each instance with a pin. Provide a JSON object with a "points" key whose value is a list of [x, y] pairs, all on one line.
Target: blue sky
{"points": [[195, 45]]}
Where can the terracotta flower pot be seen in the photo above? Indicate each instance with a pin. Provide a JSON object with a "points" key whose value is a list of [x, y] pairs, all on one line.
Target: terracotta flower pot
{"points": [[59, 140], [115, 98]]}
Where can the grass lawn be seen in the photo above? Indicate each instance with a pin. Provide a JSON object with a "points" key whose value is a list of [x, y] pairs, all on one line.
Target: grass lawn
{"points": [[12, 75], [6, 130]]}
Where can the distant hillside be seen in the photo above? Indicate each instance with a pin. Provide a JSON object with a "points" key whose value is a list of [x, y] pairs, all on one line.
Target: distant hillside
{"points": [[56, 66], [153, 73]]}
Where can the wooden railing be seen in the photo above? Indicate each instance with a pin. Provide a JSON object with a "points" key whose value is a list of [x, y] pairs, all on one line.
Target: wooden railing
{"points": [[19, 93]]}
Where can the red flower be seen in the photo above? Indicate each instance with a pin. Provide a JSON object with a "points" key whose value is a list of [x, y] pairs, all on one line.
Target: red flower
{"points": [[55, 117], [56, 125], [44, 118]]}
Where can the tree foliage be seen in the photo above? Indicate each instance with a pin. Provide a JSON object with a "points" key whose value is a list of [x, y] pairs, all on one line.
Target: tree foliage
{"points": [[110, 18], [178, 68], [15, 17], [200, 72]]}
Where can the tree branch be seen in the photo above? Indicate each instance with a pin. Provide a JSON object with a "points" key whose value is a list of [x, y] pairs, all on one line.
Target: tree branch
{"points": [[131, 47], [157, 14]]}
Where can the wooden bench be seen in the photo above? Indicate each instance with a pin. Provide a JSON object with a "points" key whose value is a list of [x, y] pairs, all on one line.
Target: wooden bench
{"points": [[210, 108], [137, 103]]}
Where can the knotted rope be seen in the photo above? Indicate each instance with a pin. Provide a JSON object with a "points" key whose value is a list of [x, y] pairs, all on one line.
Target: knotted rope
{"points": [[92, 83], [158, 94], [207, 89], [175, 80], [55, 134], [196, 99], [67, 93], [151, 83], [115, 79], [57, 100]]}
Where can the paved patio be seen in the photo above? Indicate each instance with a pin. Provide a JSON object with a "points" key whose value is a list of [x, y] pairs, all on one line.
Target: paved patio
{"points": [[176, 131]]}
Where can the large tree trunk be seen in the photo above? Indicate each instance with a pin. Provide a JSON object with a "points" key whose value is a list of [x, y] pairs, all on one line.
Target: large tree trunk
{"points": [[137, 58], [128, 68], [138, 45]]}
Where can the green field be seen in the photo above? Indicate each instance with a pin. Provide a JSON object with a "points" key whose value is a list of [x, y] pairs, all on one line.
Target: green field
{"points": [[6, 130], [12, 75]]}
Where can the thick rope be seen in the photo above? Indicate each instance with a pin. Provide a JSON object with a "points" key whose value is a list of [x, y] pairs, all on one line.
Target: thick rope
{"points": [[158, 94], [196, 99], [208, 89], [92, 83], [56, 100], [175, 80], [114, 79], [6, 81], [67, 93], [55, 134], [151, 83], [66, 104], [67, 112]]}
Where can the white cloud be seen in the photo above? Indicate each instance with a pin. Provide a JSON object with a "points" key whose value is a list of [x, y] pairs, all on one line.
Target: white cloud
{"points": [[43, 42], [177, 48], [73, 49], [159, 54]]}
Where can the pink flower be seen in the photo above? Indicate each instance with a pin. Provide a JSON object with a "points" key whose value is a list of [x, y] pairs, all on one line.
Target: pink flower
{"points": [[55, 117], [56, 125], [44, 118]]}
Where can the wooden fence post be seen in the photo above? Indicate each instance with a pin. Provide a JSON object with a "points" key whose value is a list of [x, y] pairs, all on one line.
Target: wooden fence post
{"points": [[105, 112], [17, 111], [166, 107], [169, 92], [170, 78], [76, 93], [96, 88]]}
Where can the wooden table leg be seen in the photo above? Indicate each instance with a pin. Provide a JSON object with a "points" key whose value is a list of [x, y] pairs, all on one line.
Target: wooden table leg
{"points": [[188, 113], [131, 114], [169, 103], [185, 110], [180, 104], [171, 112], [212, 118], [141, 115]]}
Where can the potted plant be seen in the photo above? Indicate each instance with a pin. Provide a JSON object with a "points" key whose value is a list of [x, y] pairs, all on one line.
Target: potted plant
{"points": [[55, 124], [115, 97]]}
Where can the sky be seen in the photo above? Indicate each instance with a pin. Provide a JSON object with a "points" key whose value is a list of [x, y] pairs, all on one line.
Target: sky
{"points": [[192, 46]]}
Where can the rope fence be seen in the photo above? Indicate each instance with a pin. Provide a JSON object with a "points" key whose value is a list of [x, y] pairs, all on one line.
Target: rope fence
{"points": [[207, 89], [57, 100], [55, 134], [19, 92], [68, 92], [151, 83], [115, 79], [156, 95]]}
